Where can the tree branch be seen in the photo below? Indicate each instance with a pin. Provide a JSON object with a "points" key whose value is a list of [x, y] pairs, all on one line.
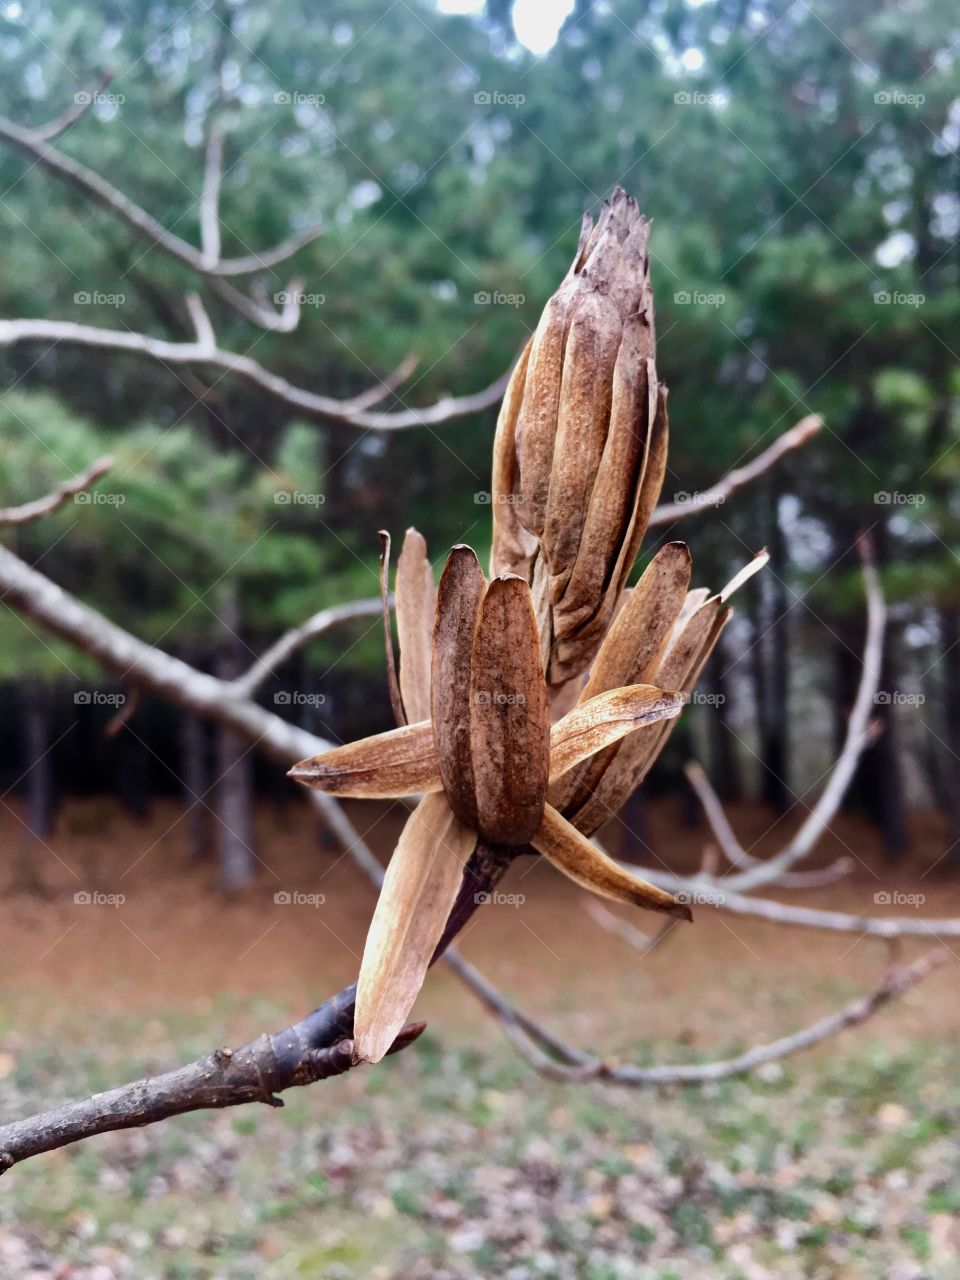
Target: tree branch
{"points": [[297, 637], [109, 197], [540, 1047], [736, 854], [202, 353], [709, 498], [858, 736], [134, 661], [53, 501]]}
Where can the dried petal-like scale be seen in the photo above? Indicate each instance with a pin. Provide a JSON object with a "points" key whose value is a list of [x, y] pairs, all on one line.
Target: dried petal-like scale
{"points": [[513, 546], [583, 419], [402, 762], [418, 892], [509, 715], [459, 595], [573, 854], [416, 607], [599, 722], [630, 654]]}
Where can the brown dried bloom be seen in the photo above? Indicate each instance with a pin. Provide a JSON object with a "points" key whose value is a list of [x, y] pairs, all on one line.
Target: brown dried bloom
{"points": [[581, 441], [485, 759]]}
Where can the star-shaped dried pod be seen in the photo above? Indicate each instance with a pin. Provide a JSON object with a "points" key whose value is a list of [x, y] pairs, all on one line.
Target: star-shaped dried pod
{"points": [[485, 759], [581, 442], [663, 634]]}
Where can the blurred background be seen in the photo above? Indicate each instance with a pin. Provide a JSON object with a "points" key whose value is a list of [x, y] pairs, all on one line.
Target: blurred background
{"points": [[799, 161]]}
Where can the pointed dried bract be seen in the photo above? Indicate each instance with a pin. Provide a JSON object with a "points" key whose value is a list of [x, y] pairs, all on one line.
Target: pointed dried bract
{"points": [[513, 546], [461, 590], [574, 855], [601, 721], [416, 607], [595, 790], [509, 715], [589, 441], [418, 892], [402, 762]]}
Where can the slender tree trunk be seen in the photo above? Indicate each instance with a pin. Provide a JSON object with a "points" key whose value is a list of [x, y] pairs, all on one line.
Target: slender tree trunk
{"points": [[195, 773], [946, 761], [727, 780], [39, 778], [133, 777], [234, 788], [775, 747]]}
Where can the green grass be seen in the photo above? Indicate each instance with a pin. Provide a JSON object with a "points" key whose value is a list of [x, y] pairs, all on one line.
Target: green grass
{"points": [[453, 1165]]}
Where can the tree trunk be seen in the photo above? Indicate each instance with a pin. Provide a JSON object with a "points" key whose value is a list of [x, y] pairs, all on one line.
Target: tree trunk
{"points": [[133, 778], [726, 777], [39, 779], [195, 772], [234, 788]]}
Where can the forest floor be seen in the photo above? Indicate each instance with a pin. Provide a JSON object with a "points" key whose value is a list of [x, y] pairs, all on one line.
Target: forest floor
{"points": [[454, 1160]]}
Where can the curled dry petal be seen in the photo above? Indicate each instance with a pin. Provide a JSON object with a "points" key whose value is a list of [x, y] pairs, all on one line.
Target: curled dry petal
{"points": [[601, 721], [630, 654], [583, 419], [396, 702], [573, 854], [402, 762], [509, 715], [513, 546], [416, 606], [418, 893], [461, 590]]}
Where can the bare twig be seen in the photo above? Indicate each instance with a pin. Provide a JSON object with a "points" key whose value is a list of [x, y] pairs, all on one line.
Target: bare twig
{"points": [[297, 637], [709, 498], [53, 501], [738, 856], [244, 366], [109, 197], [317, 1047], [858, 736], [210, 199], [131, 660], [721, 898], [531, 1040], [82, 103]]}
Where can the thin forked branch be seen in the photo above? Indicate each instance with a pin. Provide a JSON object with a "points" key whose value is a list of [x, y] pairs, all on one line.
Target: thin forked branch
{"points": [[51, 502], [205, 351], [708, 499], [105, 194], [559, 1061]]}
